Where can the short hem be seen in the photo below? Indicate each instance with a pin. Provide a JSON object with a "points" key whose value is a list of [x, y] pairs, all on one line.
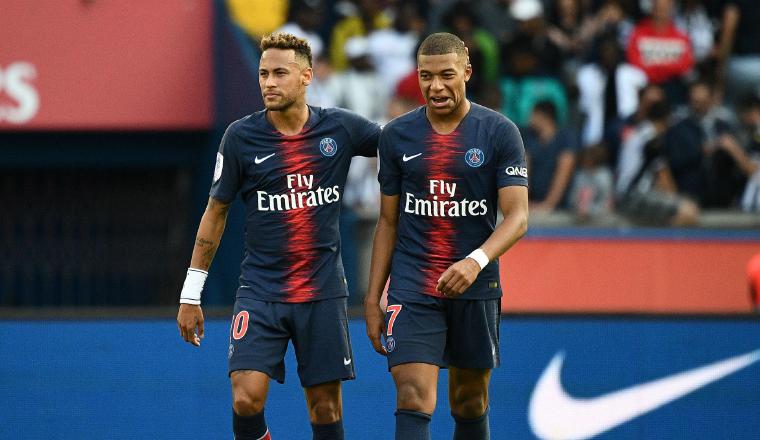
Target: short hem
{"points": [[415, 361], [260, 370], [319, 382], [477, 367]]}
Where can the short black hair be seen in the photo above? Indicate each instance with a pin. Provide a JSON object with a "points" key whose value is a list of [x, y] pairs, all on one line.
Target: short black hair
{"points": [[442, 43], [547, 108], [286, 42]]}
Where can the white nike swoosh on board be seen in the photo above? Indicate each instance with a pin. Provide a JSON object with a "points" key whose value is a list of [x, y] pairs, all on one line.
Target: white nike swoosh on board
{"points": [[408, 158], [555, 415], [258, 161]]}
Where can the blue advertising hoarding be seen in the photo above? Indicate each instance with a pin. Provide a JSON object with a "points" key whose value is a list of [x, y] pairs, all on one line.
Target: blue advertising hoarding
{"points": [[561, 378]]}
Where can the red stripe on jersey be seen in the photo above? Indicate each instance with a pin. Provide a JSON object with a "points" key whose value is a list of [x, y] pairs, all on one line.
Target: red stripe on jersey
{"points": [[442, 153], [301, 253]]}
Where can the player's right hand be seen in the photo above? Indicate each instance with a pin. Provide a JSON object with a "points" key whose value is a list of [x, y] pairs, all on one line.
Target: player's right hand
{"points": [[374, 317], [189, 318]]}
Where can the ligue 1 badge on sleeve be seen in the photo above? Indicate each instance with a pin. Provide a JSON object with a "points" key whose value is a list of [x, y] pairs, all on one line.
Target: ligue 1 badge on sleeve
{"points": [[328, 147], [218, 167], [474, 157]]}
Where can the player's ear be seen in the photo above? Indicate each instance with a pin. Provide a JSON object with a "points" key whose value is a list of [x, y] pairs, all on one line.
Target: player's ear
{"points": [[467, 65], [307, 74]]}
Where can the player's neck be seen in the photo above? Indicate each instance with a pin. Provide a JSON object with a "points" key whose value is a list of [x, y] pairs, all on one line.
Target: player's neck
{"points": [[290, 121], [448, 123]]}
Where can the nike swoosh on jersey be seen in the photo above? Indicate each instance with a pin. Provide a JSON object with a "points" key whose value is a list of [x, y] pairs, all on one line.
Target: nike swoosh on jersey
{"points": [[258, 161], [408, 158], [346, 361], [555, 415]]}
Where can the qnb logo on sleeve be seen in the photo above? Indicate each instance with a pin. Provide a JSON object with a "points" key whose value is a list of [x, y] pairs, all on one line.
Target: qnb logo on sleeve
{"points": [[301, 194], [517, 171], [443, 202], [16, 84]]}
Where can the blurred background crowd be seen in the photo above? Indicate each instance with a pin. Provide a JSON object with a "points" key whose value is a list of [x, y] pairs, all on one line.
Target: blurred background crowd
{"points": [[649, 109], [633, 113]]}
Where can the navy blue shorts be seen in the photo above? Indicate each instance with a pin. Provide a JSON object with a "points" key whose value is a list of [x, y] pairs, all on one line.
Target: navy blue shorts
{"points": [[440, 331], [260, 332]]}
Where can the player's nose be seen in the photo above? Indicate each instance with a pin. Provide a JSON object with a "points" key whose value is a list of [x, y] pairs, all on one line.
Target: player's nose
{"points": [[270, 82], [436, 84]]}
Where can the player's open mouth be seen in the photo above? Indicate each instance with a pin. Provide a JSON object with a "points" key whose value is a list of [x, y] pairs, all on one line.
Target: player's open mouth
{"points": [[439, 101]]}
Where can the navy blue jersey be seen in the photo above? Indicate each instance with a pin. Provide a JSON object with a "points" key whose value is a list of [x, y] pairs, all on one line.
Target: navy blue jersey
{"points": [[448, 187], [291, 187]]}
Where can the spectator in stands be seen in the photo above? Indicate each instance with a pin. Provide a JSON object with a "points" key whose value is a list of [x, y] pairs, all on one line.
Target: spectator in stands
{"points": [[551, 153], [531, 28], [692, 147], [366, 17], [305, 18], [644, 189], [393, 49], [661, 50], [258, 17], [483, 48], [692, 18], [739, 47], [748, 158], [648, 95], [615, 17], [591, 193], [359, 88], [568, 30], [524, 84], [609, 93]]}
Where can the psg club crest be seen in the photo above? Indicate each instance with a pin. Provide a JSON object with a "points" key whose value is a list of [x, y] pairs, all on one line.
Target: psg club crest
{"points": [[390, 344], [474, 157], [328, 147]]}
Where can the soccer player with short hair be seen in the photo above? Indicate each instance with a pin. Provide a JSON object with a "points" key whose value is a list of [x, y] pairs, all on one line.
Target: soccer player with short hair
{"points": [[289, 162], [444, 170]]}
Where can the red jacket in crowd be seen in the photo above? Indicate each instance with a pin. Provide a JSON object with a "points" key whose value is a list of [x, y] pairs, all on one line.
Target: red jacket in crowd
{"points": [[662, 53]]}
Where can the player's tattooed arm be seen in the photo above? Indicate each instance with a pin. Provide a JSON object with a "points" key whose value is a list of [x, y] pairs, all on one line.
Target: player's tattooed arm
{"points": [[513, 202], [209, 233], [382, 252], [190, 316]]}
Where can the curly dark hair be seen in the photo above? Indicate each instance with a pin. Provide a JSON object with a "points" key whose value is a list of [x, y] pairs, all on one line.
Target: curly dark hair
{"points": [[287, 41]]}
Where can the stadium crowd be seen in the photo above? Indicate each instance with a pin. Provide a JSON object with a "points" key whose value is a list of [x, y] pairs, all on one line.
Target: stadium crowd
{"points": [[646, 108]]}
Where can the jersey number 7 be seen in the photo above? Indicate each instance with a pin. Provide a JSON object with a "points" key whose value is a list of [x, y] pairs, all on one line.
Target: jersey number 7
{"points": [[394, 309]]}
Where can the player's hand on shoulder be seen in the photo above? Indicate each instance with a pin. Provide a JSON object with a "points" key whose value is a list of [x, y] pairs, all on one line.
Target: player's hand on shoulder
{"points": [[374, 317], [458, 277], [190, 318]]}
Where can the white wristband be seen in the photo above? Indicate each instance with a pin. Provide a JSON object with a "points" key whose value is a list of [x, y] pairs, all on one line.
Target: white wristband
{"points": [[191, 290], [480, 257]]}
